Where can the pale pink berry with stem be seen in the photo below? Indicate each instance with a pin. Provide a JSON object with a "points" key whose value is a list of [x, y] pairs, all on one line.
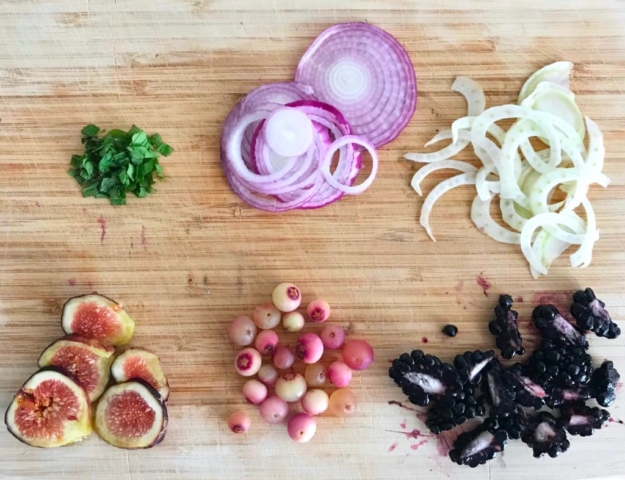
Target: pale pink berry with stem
{"points": [[290, 387], [242, 331], [283, 357], [286, 297], [318, 311], [293, 321], [266, 316], [302, 427], [333, 337], [239, 422], [315, 402], [248, 362], [343, 402], [254, 391], [357, 354], [268, 375], [274, 409], [315, 375], [339, 374], [309, 348], [266, 342]]}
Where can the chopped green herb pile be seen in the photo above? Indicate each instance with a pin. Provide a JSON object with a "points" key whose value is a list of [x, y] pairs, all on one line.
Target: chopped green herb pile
{"points": [[118, 163]]}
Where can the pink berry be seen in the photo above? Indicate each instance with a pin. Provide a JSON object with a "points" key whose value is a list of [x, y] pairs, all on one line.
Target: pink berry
{"points": [[357, 354], [248, 362], [286, 297], [309, 348], [339, 374], [315, 402], [290, 387], [274, 409], [268, 375], [266, 342], [315, 375], [283, 357], [239, 422], [333, 337], [242, 331], [302, 427], [254, 391], [318, 311], [293, 321], [266, 316], [343, 402]]}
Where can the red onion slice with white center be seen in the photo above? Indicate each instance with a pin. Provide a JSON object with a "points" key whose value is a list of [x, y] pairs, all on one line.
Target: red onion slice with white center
{"points": [[339, 144], [366, 74]]}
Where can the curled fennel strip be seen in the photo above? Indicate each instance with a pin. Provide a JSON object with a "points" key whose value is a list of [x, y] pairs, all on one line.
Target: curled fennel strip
{"points": [[426, 170], [480, 214]]}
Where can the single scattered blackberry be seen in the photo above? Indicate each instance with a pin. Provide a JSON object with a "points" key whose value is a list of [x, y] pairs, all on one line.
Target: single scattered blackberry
{"points": [[578, 419], [450, 330], [447, 412], [554, 366], [501, 395], [480, 445], [514, 424], [556, 328], [528, 392], [545, 436], [470, 365], [590, 314], [424, 377], [506, 328], [561, 396], [603, 384]]}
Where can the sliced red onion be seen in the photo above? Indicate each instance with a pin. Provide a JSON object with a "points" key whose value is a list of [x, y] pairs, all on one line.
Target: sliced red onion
{"points": [[289, 132], [364, 72], [340, 143]]}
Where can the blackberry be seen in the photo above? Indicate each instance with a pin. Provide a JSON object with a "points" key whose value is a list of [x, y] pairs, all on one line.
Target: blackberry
{"points": [[500, 395], [556, 328], [581, 420], [603, 384], [560, 396], [528, 393], [506, 328], [514, 424], [590, 314], [554, 366], [424, 377], [447, 412], [470, 365], [480, 445], [545, 436], [450, 330]]}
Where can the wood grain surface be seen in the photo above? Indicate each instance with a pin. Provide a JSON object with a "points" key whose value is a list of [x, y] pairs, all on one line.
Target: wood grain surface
{"points": [[188, 259]]}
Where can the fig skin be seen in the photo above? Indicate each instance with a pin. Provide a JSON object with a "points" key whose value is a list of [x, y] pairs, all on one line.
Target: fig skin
{"points": [[162, 406], [121, 317], [88, 427], [163, 387]]}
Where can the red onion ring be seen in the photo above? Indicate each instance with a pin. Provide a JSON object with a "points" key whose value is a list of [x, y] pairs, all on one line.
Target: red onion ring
{"points": [[342, 142], [366, 74]]}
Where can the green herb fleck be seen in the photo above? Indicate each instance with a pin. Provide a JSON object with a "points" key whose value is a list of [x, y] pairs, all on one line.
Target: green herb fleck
{"points": [[118, 163]]}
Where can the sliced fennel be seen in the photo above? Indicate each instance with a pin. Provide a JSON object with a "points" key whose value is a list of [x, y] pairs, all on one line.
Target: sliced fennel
{"points": [[525, 177]]}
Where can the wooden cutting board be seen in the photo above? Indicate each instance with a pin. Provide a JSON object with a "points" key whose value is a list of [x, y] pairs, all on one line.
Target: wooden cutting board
{"points": [[187, 260]]}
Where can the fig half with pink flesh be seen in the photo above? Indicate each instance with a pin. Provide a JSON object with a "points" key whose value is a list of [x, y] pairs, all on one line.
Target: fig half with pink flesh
{"points": [[131, 415], [50, 410], [99, 317], [139, 363], [86, 359]]}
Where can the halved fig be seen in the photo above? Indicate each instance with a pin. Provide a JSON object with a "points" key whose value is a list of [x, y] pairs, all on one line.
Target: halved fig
{"points": [[131, 415], [144, 365], [86, 359], [50, 410], [99, 317]]}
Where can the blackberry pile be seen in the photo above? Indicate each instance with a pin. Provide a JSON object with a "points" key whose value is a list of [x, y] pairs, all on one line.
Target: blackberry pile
{"points": [[558, 374]]}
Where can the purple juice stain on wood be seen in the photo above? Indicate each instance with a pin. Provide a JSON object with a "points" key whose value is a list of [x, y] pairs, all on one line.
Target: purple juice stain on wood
{"points": [[403, 424], [483, 283], [445, 442], [518, 299], [72, 282], [38, 204], [613, 420], [144, 240], [414, 434], [102, 222], [417, 445], [392, 447], [561, 299], [424, 339]]}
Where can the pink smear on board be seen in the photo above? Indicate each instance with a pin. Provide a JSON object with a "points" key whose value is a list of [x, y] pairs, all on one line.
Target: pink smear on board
{"points": [[416, 433], [392, 447], [518, 299], [484, 283], [561, 299], [144, 240], [403, 424], [612, 420], [417, 445], [401, 405], [445, 442], [424, 339], [72, 282], [102, 222]]}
